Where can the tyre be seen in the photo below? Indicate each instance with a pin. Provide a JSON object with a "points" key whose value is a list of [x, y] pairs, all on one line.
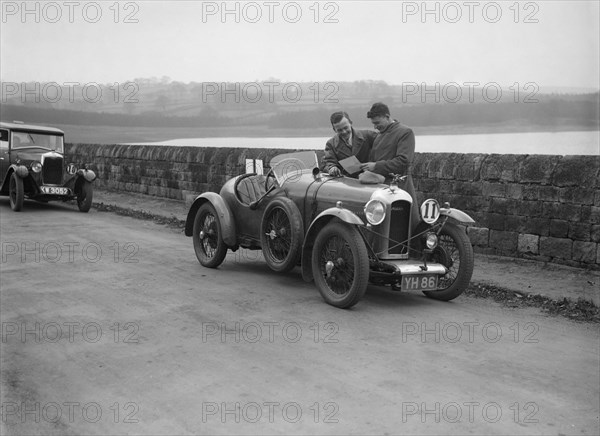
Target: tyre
{"points": [[340, 265], [281, 234], [455, 252], [85, 196], [16, 192], [208, 237]]}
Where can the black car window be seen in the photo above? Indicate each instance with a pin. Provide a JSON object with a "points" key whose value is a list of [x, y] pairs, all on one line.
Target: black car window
{"points": [[3, 138], [37, 139]]}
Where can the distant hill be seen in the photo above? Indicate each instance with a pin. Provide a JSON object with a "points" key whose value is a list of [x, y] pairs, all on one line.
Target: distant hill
{"points": [[271, 105]]}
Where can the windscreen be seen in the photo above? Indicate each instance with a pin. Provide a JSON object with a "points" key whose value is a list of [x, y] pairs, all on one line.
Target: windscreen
{"points": [[36, 139], [291, 166]]}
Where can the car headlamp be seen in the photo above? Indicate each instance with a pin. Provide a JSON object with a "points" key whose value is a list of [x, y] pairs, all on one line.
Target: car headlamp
{"points": [[431, 241], [375, 212], [36, 167]]}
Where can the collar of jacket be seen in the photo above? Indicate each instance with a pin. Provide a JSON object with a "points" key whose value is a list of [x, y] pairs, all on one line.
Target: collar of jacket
{"points": [[355, 135], [389, 126]]}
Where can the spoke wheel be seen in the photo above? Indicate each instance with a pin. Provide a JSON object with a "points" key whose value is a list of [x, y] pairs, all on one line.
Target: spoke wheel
{"points": [[455, 252], [281, 234], [208, 238], [85, 196], [340, 264], [16, 192]]}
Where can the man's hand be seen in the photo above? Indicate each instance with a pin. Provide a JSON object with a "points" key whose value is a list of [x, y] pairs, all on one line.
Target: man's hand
{"points": [[335, 172], [368, 166]]}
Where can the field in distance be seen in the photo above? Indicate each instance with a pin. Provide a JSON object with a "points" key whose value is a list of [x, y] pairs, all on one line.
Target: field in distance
{"points": [[123, 134]]}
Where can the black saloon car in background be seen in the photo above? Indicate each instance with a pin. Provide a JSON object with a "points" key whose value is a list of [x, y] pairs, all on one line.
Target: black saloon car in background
{"points": [[32, 165]]}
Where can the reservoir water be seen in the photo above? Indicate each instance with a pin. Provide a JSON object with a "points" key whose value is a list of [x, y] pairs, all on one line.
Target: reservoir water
{"points": [[552, 143]]}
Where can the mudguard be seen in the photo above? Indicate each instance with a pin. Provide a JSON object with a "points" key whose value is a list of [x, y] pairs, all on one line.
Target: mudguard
{"points": [[457, 215], [227, 222], [318, 223], [21, 170]]}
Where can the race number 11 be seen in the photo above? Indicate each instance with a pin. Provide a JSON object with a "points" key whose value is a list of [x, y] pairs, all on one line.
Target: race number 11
{"points": [[430, 211]]}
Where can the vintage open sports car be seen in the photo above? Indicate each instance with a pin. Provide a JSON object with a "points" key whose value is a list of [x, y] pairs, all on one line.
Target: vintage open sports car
{"points": [[32, 165], [341, 232]]}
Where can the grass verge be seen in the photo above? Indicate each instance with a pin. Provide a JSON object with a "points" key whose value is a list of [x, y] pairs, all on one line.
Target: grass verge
{"points": [[172, 221], [580, 310]]}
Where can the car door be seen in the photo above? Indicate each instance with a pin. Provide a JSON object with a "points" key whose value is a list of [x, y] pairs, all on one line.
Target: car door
{"points": [[4, 158]]}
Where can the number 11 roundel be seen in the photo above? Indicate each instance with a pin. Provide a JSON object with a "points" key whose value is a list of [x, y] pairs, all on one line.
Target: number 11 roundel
{"points": [[430, 211]]}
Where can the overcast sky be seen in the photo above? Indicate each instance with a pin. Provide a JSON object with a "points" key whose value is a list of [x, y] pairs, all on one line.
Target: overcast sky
{"points": [[551, 43]]}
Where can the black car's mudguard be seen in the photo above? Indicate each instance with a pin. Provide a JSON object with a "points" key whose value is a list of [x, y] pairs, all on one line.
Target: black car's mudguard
{"points": [[227, 222], [318, 223]]}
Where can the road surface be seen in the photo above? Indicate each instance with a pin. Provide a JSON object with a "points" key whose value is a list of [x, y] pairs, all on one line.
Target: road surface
{"points": [[111, 326]]}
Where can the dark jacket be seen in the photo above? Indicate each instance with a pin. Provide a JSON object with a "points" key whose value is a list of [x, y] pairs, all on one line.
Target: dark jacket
{"points": [[393, 150], [336, 149]]}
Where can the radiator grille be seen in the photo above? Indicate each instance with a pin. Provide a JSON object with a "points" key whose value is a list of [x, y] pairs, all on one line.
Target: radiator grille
{"points": [[52, 170], [399, 223]]}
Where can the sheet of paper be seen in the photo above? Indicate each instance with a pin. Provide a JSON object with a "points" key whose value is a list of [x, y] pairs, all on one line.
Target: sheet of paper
{"points": [[350, 164]]}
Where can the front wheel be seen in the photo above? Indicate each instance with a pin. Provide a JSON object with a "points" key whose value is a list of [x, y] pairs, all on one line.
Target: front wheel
{"points": [[340, 265], [455, 252], [84, 196], [208, 237], [16, 192]]}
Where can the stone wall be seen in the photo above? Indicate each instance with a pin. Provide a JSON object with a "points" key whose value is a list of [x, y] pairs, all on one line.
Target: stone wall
{"points": [[532, 206]]}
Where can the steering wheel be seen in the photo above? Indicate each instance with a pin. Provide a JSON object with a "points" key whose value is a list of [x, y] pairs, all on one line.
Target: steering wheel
{"points": [[270, 179]]}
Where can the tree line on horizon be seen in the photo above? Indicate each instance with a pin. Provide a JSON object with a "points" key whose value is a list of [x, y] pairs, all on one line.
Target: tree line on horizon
{"points": [[553, 112], [173, 98]]}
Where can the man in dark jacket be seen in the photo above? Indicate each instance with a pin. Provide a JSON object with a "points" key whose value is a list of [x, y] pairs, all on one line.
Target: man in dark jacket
{"points": [[394, 148], [393, 151], [347, 142]]}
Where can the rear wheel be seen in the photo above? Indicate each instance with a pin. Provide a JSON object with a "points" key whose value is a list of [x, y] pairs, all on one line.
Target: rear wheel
{"points": [[281, 234], [340, 265], [208, 237], [455, 252], [16, 192], [85, 196]]}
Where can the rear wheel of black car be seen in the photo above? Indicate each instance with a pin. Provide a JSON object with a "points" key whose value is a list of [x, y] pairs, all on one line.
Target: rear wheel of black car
{"points": [[340, 265], [16, 192], [85, 196], [455, 252], [208, 237], [281, 233]]}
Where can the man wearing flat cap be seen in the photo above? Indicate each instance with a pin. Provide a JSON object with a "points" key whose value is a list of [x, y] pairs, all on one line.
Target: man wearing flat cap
{"points": [[347, 142], [393, 150]]}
